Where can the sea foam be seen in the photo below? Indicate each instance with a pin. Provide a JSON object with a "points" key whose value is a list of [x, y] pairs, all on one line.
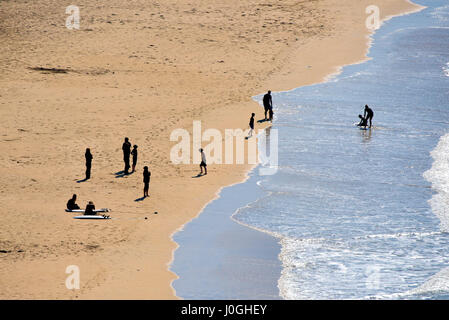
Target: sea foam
{"points": [[438, 175], [446, 69]]}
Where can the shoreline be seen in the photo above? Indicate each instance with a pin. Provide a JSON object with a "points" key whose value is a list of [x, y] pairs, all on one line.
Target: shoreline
{"points": [[101, 80], [233, 261], [337, 70], [181, 228]]}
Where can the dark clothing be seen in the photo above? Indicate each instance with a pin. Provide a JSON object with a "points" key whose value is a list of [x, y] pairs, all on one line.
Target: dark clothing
{"points": [[88, 169], [88, 164], [146, 181], [126, 149], [203, 164], [71, 205], [126, 152], [127, 165], [134, 153], [271, 114], [89, 210], [88, 158], [363, 122], [368, 114], [267, 103], [146, 176], [251, 123]]}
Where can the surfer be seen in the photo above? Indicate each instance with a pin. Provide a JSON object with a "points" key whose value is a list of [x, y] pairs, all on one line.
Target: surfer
{"points": [[89, 211], [146, 181], [126, 147], [134, 153], [368, 115], [267, 102], [363, 121], [89, 158], [71, 204], [203, 162]]}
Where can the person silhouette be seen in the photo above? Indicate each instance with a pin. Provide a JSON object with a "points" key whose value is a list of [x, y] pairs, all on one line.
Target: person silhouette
{"points": [[251, 125], [90, 209], [267, 103], [368, 115], [126, 147], [71, 204], [363, 122], [146, 181], [89, 158], [134, 153], [203, 163]]}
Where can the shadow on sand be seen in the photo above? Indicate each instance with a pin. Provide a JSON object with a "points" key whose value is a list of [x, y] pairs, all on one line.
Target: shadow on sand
{"points": [[121, 174], [199, 175]]}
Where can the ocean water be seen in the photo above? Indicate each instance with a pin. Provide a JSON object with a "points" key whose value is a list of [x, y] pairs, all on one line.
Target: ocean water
{"points": [[363, 214]]}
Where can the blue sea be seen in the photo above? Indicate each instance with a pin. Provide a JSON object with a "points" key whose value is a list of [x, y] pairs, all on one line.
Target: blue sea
{"points": [[358, 214]]}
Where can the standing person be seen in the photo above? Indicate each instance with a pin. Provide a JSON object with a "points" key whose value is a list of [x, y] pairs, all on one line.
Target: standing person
{"points": [[134, 153], [271, 114], [251, 125], [89, 158], [267, 103], [368, 115], [203, 162], [126, 153], [146, 181]]}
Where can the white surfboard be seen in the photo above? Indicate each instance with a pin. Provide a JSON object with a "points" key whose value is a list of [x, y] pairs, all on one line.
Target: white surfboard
{"points": [[91, 217], [82, 210]]}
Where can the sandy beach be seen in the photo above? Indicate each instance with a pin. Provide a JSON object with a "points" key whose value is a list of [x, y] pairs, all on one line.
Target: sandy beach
{"points": [[138, 69]]}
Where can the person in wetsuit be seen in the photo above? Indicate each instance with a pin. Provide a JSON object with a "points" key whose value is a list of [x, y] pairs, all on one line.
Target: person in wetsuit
{"points": [[363, 122], [146, 181], [71, 204], [89, 158], [89, 211], [267, 103], [368, 115], [126, 147], [134, 153]]}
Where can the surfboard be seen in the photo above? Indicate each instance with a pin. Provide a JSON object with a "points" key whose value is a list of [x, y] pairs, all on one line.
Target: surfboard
{"points": [[82, 210], [91, 217]]}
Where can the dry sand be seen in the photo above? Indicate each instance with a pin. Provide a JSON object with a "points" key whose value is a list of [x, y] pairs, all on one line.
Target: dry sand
{"points": [[138, 69]]}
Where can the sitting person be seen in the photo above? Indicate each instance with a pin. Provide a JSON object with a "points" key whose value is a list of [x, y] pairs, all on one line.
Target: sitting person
{"points": [[363, 121], [71, 204], [90, 208]]}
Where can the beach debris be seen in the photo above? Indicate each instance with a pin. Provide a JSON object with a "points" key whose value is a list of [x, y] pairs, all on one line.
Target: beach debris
{"points": [[155, 212]]}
